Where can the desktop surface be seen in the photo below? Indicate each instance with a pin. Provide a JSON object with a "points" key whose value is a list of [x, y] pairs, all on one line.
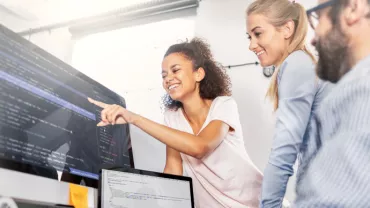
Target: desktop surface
{"points": [[141, 189]]}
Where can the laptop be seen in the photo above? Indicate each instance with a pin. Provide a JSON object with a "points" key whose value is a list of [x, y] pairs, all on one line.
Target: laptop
{"points": [[133, 188]]}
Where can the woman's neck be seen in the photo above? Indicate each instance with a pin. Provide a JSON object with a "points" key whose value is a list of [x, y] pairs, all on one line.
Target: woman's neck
{"points": [[196, 109], [278, 64], [282, 59]]}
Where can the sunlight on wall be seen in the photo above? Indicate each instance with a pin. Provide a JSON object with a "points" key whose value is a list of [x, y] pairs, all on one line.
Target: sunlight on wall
{"points": [[128, 60]]}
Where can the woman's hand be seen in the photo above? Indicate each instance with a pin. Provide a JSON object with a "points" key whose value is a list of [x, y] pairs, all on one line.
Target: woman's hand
{"points": [[113, 114]]}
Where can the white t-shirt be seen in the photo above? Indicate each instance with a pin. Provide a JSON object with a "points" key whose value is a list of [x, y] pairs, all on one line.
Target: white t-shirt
{"points": [[226, 177]]}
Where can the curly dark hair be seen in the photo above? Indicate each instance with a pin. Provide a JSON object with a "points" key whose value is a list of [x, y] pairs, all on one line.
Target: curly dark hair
{"points": [[216, 81]]}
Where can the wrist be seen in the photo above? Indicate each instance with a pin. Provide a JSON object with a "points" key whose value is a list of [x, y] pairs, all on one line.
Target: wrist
{"points": [[136, 119]]}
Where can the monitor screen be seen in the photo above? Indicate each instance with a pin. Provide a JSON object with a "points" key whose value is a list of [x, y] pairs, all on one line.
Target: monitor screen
{"points": [[46, 122], [142, 189]]}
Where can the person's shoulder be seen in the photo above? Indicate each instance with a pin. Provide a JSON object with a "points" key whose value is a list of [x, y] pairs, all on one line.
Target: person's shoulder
{"points": [[225, 109], [356, 88], [299, 65], [300, 57], [298, 60], [349, 96], [222, 102], [224, 99]]}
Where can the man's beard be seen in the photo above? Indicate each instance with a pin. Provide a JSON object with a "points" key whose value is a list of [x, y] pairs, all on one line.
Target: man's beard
{"points": [[334, 57]]}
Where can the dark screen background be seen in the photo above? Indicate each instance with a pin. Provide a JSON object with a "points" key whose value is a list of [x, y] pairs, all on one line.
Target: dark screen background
{"points": [[46, 121]]}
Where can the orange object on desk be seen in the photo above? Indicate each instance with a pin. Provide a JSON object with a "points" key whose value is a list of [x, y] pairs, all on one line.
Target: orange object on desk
{"points": [[78, 196]]}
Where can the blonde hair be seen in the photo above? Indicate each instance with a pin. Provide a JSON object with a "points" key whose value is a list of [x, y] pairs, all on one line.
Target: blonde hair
{"points": [[279, 12]]}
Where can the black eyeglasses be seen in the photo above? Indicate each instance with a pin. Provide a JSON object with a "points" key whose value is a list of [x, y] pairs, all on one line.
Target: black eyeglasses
{"points": [[313, 15]]}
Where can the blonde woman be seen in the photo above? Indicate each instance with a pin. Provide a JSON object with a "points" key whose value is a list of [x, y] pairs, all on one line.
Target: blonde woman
{"points": [[277, 32]]}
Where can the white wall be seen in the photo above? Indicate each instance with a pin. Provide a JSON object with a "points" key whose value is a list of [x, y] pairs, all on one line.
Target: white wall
{"points": [[57, 42]]}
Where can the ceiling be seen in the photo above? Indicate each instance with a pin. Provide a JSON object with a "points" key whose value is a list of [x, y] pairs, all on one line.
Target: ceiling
{"points": [[20, 15]]}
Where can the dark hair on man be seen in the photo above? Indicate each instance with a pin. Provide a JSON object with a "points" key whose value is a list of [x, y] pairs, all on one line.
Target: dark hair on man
{"points": [[216, 82], [337, 7], [336, 10]]}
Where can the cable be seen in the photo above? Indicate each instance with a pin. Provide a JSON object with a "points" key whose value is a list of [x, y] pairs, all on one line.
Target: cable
{"points": [[239, 65]]}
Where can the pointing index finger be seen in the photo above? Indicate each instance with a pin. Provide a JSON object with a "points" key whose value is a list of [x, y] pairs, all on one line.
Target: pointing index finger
{"points": [[100, 104]]}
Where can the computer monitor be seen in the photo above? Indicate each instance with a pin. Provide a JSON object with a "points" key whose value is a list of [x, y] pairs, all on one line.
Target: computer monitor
{"points": [[132, 188], [46, 122]]}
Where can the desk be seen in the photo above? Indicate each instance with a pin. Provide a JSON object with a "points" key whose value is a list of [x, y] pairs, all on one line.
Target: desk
{"points": [[28, 187]]}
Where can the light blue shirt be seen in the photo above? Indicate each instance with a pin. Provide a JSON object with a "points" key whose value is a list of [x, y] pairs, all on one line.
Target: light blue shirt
{"points": [[339, 174], [300, 94]]}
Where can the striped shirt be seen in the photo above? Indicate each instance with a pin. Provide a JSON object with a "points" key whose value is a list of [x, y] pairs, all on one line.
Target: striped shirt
{"points": [[339, 174]]}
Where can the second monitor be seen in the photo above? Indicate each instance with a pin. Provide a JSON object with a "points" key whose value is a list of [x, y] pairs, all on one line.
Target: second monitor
{"points": [[131, 188]]}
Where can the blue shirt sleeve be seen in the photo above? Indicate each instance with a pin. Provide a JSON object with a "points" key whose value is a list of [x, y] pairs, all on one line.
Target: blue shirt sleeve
{"points": [[297, 91]]}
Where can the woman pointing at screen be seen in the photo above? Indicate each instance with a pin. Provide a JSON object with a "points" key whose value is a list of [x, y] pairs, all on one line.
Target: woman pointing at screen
{"points": [[202, 130]]}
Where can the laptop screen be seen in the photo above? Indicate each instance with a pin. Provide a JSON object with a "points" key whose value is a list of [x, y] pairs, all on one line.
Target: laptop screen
{"points": [[142, 189]]}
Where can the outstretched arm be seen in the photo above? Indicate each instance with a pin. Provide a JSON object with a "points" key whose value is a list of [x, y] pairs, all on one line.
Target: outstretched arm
{"points": [[196, 146]]}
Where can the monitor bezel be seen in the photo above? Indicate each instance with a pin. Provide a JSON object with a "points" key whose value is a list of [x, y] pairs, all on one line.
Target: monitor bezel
{"points": [[147, 173], [26, 43]]}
